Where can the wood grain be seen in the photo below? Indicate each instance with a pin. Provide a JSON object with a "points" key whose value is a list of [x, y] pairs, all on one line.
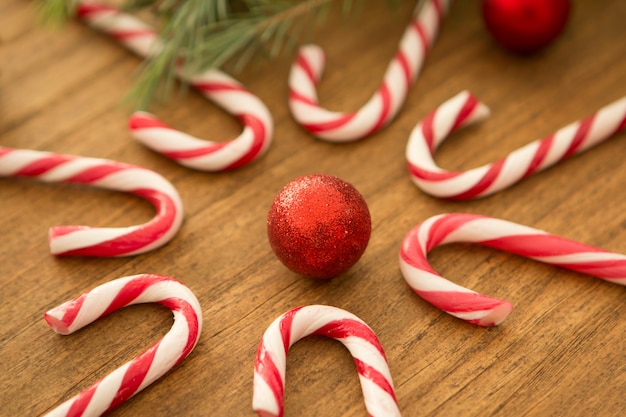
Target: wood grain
{"points": [[562, 351]]}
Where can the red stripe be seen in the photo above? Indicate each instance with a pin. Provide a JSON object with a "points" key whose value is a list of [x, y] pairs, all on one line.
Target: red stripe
{"points": [[376, 377], [285, 327], [70, 312], [447, 224], [340, 329], [193, 323], [72, 309], [210, 148], [85, 9], [422, 36], [93, 174], [461, 302], [579, 137], [131, 290], [43, 165], [484, 183], [412, 252], [621, 126], [540, 154], [384, 116], [427, 131], [81, 402], [406, 67], [470, 104], [126, 35], [259, 134], [259, 137], [615, 268], [330, 125], [303, 63], [5, 151], [439, 8], [413, 255], [266, 368], [427, 175], [134, 376], [537, 245], [296, 96], [209, 87], [139, 121]]}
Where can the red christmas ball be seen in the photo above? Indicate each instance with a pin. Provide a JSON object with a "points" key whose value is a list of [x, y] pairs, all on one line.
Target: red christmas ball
{"points": [[319, 226], [525, 26]]}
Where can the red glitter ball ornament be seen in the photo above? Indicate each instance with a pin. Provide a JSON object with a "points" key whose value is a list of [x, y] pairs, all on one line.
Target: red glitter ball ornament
{"points": [[525, 26], [319, 226]]}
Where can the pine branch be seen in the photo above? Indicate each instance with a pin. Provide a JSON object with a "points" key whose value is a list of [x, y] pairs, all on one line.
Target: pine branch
{"points": [[56, 12], [206, 34]]}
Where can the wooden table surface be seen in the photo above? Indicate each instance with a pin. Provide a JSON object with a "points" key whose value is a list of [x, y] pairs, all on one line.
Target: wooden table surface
{"points": [[561, 352]]}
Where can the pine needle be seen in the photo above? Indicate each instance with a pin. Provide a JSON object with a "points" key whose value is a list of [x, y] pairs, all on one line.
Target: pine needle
{"points": [[206, 34]]}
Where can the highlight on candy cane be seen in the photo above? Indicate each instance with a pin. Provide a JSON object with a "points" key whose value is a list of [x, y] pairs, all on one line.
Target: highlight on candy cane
{"points": [[214, 84], [333, 322], [107, 174], [464, 109], [156, 361], [386, 102], [500, 234]]}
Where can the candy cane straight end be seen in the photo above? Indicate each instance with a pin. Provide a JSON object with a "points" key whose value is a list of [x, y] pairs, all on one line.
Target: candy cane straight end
{"points": [[466, 305], [263, 413], [54, 318], [471, 307], [312, 58], [494, 316], [142, 119], [472, 111]]}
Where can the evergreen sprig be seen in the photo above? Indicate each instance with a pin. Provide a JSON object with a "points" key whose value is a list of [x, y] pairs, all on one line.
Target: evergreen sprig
{"points": [[206, 34]]}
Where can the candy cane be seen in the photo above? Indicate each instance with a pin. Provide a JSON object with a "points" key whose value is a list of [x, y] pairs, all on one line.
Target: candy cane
{"points": [[215, 85], [465, 109], [111, 175], [383, 106], [500, 234], [146, 368], [358, 337]]}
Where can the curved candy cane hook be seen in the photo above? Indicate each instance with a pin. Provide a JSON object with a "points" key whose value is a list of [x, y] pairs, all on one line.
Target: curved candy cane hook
{"points": [[500, 234], [383, 106], [101, 173], [152, 364], [464, 109], [358, 337], [215, 85]]}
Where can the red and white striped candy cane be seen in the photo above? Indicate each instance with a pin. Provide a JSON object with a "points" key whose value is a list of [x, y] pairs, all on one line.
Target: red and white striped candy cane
{"points": [[500, 234], [536, 156], [111, 175], [215, 85], [298, 323], [146, 368], [383, 106]]}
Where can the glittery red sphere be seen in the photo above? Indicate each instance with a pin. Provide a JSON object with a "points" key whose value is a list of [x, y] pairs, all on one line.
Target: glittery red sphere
{"points": [[319, 226], [525, 26]]}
